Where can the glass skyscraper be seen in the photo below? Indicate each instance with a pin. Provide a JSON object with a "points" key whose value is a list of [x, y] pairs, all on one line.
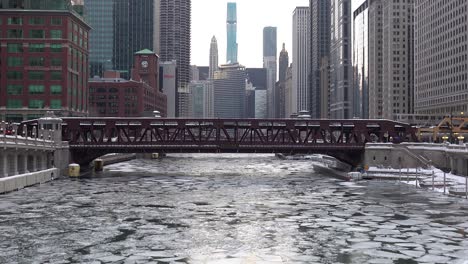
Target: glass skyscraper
{"points": [[120, 28], [320, 50], [231, 56], [101, 50], [361, 61]]}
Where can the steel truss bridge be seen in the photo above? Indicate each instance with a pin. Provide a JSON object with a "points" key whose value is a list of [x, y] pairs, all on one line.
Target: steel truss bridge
{"points": [[90, 138]]}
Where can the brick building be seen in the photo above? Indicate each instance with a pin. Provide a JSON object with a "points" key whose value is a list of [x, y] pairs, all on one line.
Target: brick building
{"points": [[112, 96], [43, 60]]}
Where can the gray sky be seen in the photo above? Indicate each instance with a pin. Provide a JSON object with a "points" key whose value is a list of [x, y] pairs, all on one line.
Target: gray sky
{"points": [[209, 18]]}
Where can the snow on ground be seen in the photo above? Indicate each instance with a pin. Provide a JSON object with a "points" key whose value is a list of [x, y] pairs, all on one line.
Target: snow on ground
{"points": [[458, 181]]}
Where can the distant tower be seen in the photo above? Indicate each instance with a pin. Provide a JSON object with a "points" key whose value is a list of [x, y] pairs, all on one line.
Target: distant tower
{"points": [[283, 64], [213, 57], [269, 63], [231, 56], [282, 72]]}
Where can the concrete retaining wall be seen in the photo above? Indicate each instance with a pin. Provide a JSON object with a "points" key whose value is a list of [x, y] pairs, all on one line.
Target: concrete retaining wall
{"points": [[14, 183]]}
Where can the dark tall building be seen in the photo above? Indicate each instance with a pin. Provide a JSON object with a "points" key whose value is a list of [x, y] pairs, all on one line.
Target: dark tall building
{"points": [[320, 48], [44, 64], [269, 63], [341, 88], [134, 25], [173, 35], [283, 64], [281, 84], [120, 28], [100, 15]]}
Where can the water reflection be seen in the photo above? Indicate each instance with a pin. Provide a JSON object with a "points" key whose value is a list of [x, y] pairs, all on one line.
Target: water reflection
{"points": [[234, 209]]}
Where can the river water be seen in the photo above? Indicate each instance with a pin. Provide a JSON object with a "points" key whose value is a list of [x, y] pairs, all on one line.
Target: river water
{"points": [[229, 209]]}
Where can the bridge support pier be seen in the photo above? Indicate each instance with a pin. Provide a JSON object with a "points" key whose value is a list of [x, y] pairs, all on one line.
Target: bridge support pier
{"points": [[14, 163], [3, 164]]}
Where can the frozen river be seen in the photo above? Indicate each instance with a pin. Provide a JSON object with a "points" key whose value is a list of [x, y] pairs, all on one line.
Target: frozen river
{"points": [[229, 209]]}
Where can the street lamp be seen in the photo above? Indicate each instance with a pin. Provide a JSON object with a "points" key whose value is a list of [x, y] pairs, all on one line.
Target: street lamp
{"points": [[445, 138], [461, 140]]}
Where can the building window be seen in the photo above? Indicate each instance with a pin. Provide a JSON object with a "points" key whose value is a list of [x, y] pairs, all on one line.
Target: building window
{"points": [[36, 103], [56, 21], [15, 21], [36, 75], [55, 104], [56, 89], [14, 103], [56, 75], [14, 47], [36, 61], [37, 33], [15, 89], [56, 34], [36, 89], [15, 61], [36, 47], [56, 62], [36, 21], [14, 75], [56, 47], [15, 33]]}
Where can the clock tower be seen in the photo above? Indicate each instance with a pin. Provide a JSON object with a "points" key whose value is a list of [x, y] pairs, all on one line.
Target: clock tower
{"points": [[146, 68]]}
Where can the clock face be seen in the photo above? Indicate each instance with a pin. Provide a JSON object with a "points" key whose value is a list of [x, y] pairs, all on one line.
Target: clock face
{"points": [[144, 64]]}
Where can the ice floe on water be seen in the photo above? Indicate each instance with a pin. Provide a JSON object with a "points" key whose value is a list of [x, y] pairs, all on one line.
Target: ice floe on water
{"points": [[229, 209]]}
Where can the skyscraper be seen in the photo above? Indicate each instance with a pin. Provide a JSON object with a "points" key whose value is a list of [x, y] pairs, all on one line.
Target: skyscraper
{"points": [[341, 88], [375, 59], [120, 28], [283, 64], [361, 60], [283, 68], [133, 20], [229, 91], [100, 16], [213, 57], [231, 56], [269, 63], [173, 35], [320, 48], [398, 62], [45, 65], [300, 60], [441, 57]]}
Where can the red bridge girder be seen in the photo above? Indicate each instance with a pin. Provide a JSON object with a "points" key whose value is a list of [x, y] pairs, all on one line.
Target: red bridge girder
{"points": [[344, 139]]}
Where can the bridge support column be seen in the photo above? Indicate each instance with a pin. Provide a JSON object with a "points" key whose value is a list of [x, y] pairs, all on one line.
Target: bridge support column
{"points": [[22, 163], [3, 164], [13, 164], [33, 163], [25, 162]]}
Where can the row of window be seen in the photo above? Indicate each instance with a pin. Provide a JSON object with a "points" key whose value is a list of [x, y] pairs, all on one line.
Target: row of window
{"points": [[33, 61], [33, 47], [55, 21], [34, 75], [17, 89], [34, 33], [34, 104]]}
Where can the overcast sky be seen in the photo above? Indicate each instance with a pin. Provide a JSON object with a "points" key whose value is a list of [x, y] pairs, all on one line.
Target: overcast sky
{"points": [[209, 18]]}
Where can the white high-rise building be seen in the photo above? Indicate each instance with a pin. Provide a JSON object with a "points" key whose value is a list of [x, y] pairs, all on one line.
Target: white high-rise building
{"points": [[300, 60], [168, 72], [441, 57], [213, 58]]}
